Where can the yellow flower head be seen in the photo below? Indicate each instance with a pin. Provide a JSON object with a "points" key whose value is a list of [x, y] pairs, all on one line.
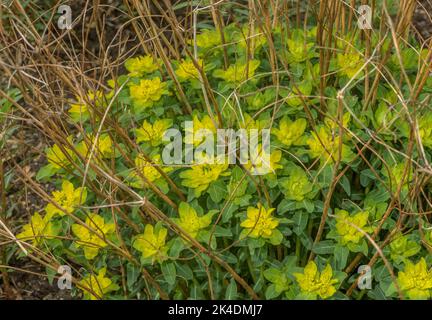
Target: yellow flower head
{"points": [[92, 240], [38, 229], [152, 243], [326, 147], [425, 130], [103, 149], [80, 110], [208, 39], [255, 40], [153, 133], [290, 132], [95, 287], [141, 65], [67, 198], [313, 283], [199, 176], [262, 163], [350, 64], [147, 92], [345, 226], [148, 170], [250, 123], [59, 157], [260, 222], [190, 221], [416, 280], [238, 72], [188, 71], [199, 129], [297, 186]]}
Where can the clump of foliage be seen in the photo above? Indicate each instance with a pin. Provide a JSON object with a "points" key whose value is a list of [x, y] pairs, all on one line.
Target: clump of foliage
{"points": [[347, 185]]}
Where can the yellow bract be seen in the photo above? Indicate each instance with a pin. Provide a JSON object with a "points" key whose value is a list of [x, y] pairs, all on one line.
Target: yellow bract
{"points": [[200, 176], [99, 284], [208, 39], [37, 230], [148, 170], [152, 243], [416, 280], [147, 92], [103, 148], [350, 64], [188, 71], [325, 146], [314, 283], [68, 198], [80, 110], [199, 129], [238, 72], [189, 220], [92, 240], [345, 225], [59, 157], [250, 123], [252, 40], [141, 65], [262, 163], [290, 132], [153, 133], [260, 222]]}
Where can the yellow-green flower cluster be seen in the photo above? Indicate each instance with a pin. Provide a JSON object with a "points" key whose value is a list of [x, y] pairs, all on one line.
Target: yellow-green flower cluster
{"points": [[416, 280], [238, 72], [141, 65], [153, 133], [200, 175], [208, 39], [297, 186], [348, 227], [95, 287], [260, 222], [290, 132], [59, 156], [313, 283], [68, 199], [322, 144], [147, 92], [152, 243], [147, 169], [350, 63], [188, 71], [80, 110], [190, 221], [39, 229], [92, 235]]}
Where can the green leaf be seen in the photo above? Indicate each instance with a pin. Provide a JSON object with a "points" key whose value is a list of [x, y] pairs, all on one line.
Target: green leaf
{"points": [[276, 237], [271, 292], [231, 291], [50, 274], [133, 273], [324, 247], [300, 221], [45, 172], [285, 206], [346, 185], [169, 272], [217, 191], [184, 271], [341, 256]]}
